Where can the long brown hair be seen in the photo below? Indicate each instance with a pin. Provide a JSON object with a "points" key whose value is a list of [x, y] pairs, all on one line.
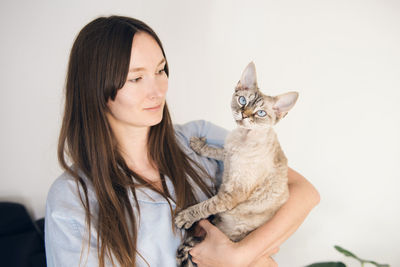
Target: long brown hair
{"points": [[98, 68]]}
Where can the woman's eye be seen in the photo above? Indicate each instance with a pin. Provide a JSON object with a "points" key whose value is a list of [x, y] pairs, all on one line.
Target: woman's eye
{"points": [[135, 80], [161, 71], [261, 113], [242, 100]]}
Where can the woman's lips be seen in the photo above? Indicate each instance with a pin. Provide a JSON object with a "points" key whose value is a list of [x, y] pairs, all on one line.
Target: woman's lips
{"points": [[155, 108]]}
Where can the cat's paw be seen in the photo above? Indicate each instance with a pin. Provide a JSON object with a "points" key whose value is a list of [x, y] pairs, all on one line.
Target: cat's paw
{"points": [[184, 220], [183, 258], [197, 143]]}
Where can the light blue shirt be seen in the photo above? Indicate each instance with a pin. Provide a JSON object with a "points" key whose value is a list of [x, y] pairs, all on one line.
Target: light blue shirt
{"points": [[65, 230]]}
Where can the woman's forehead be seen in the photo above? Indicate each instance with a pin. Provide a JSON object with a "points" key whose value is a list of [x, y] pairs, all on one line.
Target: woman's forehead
{"points": [[145, 52]]}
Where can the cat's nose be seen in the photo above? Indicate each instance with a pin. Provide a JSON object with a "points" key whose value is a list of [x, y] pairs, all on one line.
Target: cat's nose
{"points": [[246, 113]]}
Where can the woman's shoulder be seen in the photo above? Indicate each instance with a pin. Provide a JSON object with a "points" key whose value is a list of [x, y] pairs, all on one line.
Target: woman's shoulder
{"points": [[200, 128], [66, 193], [63, 185]]}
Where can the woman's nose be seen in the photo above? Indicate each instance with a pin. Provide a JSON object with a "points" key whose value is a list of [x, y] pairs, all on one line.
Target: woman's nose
{"points": [[157, 88]]}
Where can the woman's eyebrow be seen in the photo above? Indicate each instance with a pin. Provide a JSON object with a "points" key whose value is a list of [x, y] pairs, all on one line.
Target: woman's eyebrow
{"points": [[161, 62], [141, 68]]}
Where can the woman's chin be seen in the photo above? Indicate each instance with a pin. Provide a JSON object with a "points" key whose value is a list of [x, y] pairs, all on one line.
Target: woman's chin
{"points": [[155, 120], [152, 118]]}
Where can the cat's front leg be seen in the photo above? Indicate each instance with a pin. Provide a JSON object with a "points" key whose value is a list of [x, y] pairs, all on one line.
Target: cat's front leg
{"points": [[199, 145], [223, 201], [187, 217]]}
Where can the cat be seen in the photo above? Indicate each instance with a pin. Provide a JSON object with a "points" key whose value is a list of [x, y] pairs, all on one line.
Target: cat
{"points": [[254, 184]]}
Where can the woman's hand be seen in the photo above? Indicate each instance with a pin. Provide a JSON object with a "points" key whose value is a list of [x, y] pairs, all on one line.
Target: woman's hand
{"points": [[218, 250], [265, 260], [215, 250]]}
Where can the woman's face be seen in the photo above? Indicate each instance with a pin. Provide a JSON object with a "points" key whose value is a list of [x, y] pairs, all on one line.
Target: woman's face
{"points": [[140, 102]]}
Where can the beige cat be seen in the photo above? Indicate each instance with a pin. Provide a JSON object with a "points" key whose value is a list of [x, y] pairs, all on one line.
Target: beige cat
{"points": [[254, 183]]}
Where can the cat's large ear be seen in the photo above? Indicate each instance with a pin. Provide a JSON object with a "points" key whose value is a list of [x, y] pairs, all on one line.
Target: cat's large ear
{"points": [[249, 78], [283, 103]]}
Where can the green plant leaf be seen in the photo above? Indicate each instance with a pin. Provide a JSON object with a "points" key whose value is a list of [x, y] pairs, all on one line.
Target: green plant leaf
{"points": [[362, 261], [377, 264], [346, 252], [327, 264]]}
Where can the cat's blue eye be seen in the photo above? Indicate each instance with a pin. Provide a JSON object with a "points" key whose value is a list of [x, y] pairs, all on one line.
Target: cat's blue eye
{"points": [[261, 113], [242, 100]]}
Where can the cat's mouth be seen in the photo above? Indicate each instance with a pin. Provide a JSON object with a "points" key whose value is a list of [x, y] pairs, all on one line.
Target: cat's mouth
{"points": [[244, 122]]}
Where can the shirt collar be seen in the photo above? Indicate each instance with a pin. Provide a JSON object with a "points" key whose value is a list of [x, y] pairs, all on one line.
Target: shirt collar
{"points": [[148, 195]]}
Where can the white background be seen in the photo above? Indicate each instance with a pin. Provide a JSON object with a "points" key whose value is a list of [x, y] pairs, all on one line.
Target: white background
{"points": [[343, 134]]}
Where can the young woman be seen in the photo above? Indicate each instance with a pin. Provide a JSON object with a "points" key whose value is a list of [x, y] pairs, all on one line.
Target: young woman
{"points": [[128, 169]]}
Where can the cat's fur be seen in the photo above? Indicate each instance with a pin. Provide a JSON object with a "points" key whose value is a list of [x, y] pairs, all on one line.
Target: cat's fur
{"points": [[254, 184]]}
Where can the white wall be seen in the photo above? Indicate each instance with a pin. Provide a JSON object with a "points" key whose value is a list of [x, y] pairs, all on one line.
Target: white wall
{"points": [[342, 56]]}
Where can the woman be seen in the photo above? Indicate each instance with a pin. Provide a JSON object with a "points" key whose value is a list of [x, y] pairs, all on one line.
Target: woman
{"points": [[132, 170]]}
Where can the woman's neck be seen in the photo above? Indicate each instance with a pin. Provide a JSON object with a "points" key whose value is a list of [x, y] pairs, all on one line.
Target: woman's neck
{"points": [[133, 146]]}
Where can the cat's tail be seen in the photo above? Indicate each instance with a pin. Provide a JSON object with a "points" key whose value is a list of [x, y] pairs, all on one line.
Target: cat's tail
{"points": [[183, 257]]}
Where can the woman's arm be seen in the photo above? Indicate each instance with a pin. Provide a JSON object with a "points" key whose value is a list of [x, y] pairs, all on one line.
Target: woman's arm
{"points": [[303, 197], [65, 227], [218, 250]]}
